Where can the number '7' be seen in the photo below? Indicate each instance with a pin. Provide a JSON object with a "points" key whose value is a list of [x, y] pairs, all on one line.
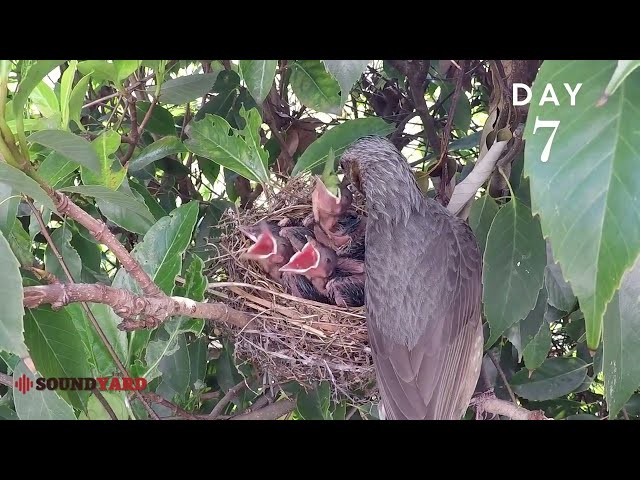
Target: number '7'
{"points": [[546, 124]]}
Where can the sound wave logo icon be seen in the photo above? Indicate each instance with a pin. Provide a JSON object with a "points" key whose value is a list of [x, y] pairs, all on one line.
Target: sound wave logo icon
{"points": [[24, 384]]}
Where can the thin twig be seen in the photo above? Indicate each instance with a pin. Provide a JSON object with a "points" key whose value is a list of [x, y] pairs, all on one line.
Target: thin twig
{"points": [[224, 401], [503, 377], [155, 398], [105, 404], [92, 318], [6, 380]]}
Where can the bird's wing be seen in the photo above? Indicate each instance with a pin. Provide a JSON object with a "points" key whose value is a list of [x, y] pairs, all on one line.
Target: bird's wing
{"points": [[423, 292]]}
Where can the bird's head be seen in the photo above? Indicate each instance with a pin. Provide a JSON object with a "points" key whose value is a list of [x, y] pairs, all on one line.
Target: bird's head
{"points": [[377, 169], [265, 245], [314, 260]]}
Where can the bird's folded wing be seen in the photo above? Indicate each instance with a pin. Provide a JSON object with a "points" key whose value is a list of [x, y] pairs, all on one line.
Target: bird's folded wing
{"points": [[435, 377]]}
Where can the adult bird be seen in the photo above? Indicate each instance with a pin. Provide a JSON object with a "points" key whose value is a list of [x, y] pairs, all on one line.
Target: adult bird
{"points": [[423, 289]]}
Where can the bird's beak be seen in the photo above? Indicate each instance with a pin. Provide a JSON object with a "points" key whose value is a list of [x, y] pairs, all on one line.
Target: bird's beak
{"points": [[301, 262], [264, 247], [248, 233], [324, 195]]}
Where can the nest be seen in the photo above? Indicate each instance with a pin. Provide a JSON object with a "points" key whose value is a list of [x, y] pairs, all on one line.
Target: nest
{"points": [[290, 338]]}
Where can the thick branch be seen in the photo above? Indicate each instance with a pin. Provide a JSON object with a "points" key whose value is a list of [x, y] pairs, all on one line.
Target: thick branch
{"points": [[270, 412], [151, 309], [101, 233], [507, 409]]}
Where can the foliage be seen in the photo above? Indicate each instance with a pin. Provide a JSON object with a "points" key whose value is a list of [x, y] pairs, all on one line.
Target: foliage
{"points": [[158, 149]]}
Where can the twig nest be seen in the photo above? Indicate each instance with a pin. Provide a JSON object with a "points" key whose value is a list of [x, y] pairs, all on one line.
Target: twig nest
{"points": [[289, 338]]}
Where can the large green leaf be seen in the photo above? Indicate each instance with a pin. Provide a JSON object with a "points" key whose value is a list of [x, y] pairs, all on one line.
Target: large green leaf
{"points": [[314, 404], [96, 411], [522, 333], [62, 240], [9, 201], [38, 404], [556, 377], [19, 182], [100, 360], [258, 75], [66, 84], [339, 138], [45, 100], [160, 122], [11, 295], [127, 204], [185, 89], [514, 262], [346, 72], [176, 371], [560, 293], [36, 73], [100, 70], [482, 213], [157, 150], [77, 99], [537, 349], [314, 86], [71, 146], [56, 168], [621, 342], [622, 71], [111, 173], [210, 138], [124, 68], [56, 349], [586, 192], [20, 243]]}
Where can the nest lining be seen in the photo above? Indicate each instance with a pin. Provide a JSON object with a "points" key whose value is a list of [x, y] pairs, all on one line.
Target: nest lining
{"points": [[290, 338]]}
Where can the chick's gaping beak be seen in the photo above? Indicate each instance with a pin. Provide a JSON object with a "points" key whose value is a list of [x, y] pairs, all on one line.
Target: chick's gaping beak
{"points": [[264, 247], [303, 261]]}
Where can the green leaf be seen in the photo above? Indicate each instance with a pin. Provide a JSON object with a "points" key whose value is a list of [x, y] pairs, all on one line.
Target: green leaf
{"points": [[97, 355], [66, 84], [39, 404], [129, 205], [210, 138], [198, 356], [77, 100], [96, 411], [347, 73], [150, 201], [210, 170], [585, 192], [560, 293], [522, 333], [514, 258], [23, 184], [622, 71], [11, 295], [56, 168], [314, 404], [258, 75], [538, 348], [56, 349], [621, 342], [482, 213], [159, 149], [111, 173], [161, 122], [20, 244], [185, 89], [339, 138], [100, 70], [62, 240], [9, 201], [44, 98], [556, 377], [462, 115], [36, 124], [36, 73], [124, 68], [194, 288], [71, 146], [176, 371], [315, 87], [7, 414]]}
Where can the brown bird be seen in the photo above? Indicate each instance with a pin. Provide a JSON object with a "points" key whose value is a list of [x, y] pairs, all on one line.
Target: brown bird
{"points": [[340, 279], [423, 289]]}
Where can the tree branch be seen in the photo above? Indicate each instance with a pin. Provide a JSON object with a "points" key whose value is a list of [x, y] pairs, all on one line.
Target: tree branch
{"points": [[152, 309], [224, 401], [270, 412], [105, 404], [503, 377], [488, 403], [155, 398]]}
